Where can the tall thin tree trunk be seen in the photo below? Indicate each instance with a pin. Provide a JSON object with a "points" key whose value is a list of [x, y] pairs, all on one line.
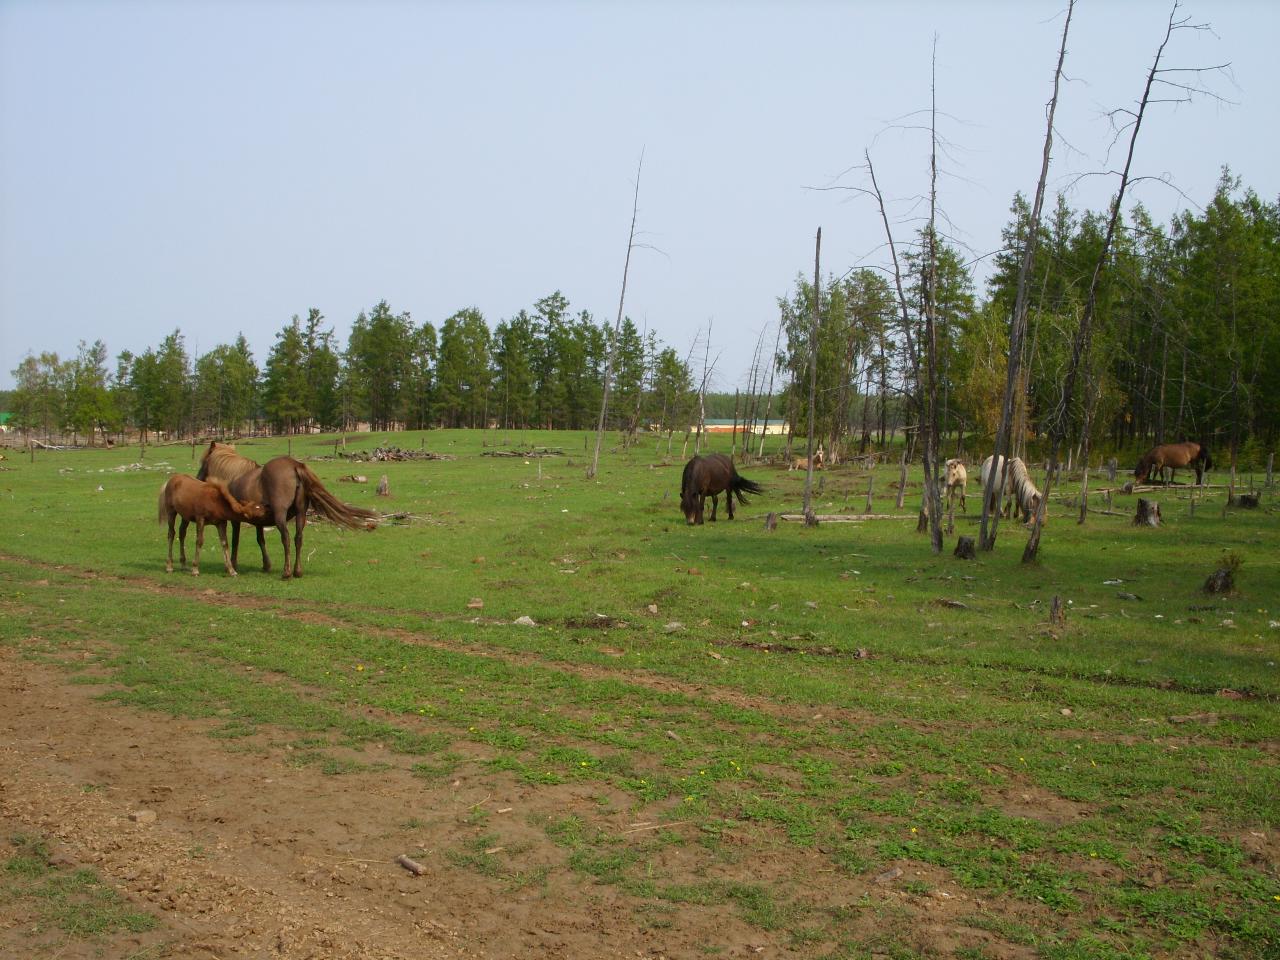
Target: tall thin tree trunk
{"points": [[813, 374], [773, 369], [1080, 347], [617, 328], [930, 422], [1018, 322]]}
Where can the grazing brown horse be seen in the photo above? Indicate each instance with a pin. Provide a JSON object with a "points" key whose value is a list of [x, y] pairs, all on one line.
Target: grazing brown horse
{"points": [[191, 499], [288, 489], [709, 476], [1173, 456]]}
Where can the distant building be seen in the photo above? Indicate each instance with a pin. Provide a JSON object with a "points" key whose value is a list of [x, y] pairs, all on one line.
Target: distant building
{"points": [[775, 428]]}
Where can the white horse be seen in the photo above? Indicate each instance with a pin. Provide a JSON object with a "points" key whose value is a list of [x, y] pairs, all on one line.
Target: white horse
{"points": [[1018, 485], [955, 479]]}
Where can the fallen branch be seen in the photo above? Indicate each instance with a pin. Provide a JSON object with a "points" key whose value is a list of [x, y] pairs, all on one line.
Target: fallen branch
{"points": [[655, 826], [842, 517]]}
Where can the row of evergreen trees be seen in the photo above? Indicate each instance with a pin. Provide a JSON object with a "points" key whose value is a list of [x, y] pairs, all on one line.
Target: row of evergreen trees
{"points": [[540, 368], [1187, 341], [1187, 345]]}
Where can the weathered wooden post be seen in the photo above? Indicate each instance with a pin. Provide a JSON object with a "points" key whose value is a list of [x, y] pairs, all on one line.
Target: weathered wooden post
{"points": [[870, 483], [902, 480]]}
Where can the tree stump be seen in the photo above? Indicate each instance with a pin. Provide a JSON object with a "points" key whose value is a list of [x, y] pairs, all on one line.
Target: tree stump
{"points": [[870, 483], [771, 522], [1112, 465], [922, 525], [810, 518], [1057, 612], [1222, 580], [1248, 501], [964, 549], [384, 487], [1148, 514]]}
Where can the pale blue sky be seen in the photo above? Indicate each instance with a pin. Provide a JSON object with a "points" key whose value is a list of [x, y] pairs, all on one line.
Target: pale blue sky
{"points": [[219, 167]]}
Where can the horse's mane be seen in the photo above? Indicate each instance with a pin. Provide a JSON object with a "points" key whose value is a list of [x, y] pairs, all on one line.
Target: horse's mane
{"points": [[1024, 488], [222, 488], [223, 462]]}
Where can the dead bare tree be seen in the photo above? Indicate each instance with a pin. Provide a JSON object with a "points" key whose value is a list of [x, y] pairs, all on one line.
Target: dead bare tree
{"points": [[1080, 346], [768, 402], [930, 392], [1018, 322], [617, 328], [813, 375]]}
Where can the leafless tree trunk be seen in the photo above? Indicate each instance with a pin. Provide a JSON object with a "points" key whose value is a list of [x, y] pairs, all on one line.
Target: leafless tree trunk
{"points": [[617, 328], [1018, 322], [930, 392], [773, 369], [813, 374], [1080, 347]]}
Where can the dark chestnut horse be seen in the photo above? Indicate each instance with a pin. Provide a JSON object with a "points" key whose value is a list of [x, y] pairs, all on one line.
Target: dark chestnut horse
{"points": [[710, 476], [287, 488], [1173, 456]]}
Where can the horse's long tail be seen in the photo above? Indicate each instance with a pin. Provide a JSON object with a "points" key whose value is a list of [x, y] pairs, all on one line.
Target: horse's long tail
{"points": [[329, 506], [162, 507], [742, 485]]}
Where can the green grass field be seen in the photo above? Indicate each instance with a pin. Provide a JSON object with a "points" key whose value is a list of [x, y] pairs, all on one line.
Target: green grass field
{"points": [[833, 696]]}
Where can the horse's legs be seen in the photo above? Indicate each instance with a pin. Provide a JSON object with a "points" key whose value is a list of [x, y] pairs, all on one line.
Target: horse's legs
{"points": [[262, 545], [195, 564], [728, 496], [715, 502], [299, 521], [702, 506], [182, 540], [168, 565], [282, 524], [235, 544], [226, 554]]}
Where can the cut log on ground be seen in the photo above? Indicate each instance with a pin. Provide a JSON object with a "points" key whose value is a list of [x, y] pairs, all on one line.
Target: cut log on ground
{"points": [[413, 866]]}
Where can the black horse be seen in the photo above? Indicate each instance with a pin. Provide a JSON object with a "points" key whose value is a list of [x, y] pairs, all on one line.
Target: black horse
{"points": [[709, 476]]}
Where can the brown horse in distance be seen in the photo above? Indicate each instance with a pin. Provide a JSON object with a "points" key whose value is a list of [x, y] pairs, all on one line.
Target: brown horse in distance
{"points": [[288, 488], [192, 500], [1173, 456], [710, 476]]}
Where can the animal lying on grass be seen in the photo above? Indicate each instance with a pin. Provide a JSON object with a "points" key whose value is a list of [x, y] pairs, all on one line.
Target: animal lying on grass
{"points": [[802, 463], [202, 502]]}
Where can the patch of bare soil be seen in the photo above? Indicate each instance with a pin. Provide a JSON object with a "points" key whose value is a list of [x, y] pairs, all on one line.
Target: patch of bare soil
{"points": [[250, 854]]}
